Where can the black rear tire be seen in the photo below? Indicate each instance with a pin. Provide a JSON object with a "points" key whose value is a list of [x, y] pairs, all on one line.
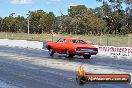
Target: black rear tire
{"points": [[68, 55], [87, 56]]}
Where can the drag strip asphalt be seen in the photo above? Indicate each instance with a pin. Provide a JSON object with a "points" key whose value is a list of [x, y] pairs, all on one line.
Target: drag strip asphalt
{"points": [[34, 68]]}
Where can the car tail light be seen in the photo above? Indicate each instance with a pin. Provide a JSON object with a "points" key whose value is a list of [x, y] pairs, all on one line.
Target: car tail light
{"points": [[96, 49]]}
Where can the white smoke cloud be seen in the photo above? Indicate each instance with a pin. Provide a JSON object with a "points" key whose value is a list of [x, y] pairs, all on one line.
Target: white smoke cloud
{"points": [[72, 4], [21, 1], [52, 1]]}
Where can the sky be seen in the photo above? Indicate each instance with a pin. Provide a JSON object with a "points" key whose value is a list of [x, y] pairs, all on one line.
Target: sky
{"points": [[22, 7]]}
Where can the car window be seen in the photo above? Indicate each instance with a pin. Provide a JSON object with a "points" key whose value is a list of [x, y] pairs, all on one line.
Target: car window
{"points": [[61, 40], [78, 41]]}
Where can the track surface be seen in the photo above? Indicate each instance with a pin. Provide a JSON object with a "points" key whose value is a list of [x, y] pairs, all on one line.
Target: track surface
{"points": [[31, 68]]}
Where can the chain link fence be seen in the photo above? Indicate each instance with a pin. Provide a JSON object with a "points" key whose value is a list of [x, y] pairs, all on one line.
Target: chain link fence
{"points": [[120, 41]]}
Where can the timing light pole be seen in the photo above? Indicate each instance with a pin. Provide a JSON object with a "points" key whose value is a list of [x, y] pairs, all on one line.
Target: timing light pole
{"points": [[28, 25]]}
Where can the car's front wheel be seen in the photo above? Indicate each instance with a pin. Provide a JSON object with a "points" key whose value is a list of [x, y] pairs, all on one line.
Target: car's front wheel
{"points": [[51, 52], [87, 56], [68, 55]]}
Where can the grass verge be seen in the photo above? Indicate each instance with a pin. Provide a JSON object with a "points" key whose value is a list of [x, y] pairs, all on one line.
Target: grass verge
{"points": [[109, 40]]}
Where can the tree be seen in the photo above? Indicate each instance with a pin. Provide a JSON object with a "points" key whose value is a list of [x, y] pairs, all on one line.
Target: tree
{"points": [[41, 21], [1, 23], [109, 18], [35, 21], [79, 9], [94, 24], [58, 24], [48, 21], [116, 15], [66, 24], [87, 23], [22, 24]]}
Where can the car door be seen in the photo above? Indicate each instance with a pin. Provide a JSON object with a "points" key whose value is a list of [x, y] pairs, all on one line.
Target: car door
{"points": [[60, 46]]}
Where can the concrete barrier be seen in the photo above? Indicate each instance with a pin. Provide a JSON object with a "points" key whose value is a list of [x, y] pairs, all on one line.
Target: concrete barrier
{"points": [[21, 43]]}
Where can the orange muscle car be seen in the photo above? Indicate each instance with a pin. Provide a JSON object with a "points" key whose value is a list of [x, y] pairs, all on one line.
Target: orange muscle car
{"points": [[71, 47]]}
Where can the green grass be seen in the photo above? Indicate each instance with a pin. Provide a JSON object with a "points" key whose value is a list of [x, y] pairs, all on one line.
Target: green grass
{"points": [[97, 40]]}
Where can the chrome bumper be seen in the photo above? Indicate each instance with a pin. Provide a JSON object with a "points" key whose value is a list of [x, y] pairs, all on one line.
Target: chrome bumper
{"points": [[88, 51]]}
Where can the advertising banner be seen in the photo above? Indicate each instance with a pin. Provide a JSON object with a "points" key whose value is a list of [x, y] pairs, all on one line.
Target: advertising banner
{"points": [[119, 52]]}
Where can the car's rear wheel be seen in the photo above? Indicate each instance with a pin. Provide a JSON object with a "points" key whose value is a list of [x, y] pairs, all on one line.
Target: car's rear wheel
{"points": [[87, 56], [68, 55], [51, 52]]}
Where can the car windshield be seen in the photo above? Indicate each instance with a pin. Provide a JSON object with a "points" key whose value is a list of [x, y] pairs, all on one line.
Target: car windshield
{"points": [[78, 41]]}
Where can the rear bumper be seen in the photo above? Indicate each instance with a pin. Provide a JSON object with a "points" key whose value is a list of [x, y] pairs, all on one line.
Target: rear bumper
{"points": [[86, 52]]}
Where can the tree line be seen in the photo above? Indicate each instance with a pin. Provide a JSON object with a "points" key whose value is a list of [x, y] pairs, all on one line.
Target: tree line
{"points": [[110, 18]]}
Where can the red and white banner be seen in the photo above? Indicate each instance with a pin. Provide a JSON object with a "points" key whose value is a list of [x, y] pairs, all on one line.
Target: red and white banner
{"points": [[120, 52]]}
